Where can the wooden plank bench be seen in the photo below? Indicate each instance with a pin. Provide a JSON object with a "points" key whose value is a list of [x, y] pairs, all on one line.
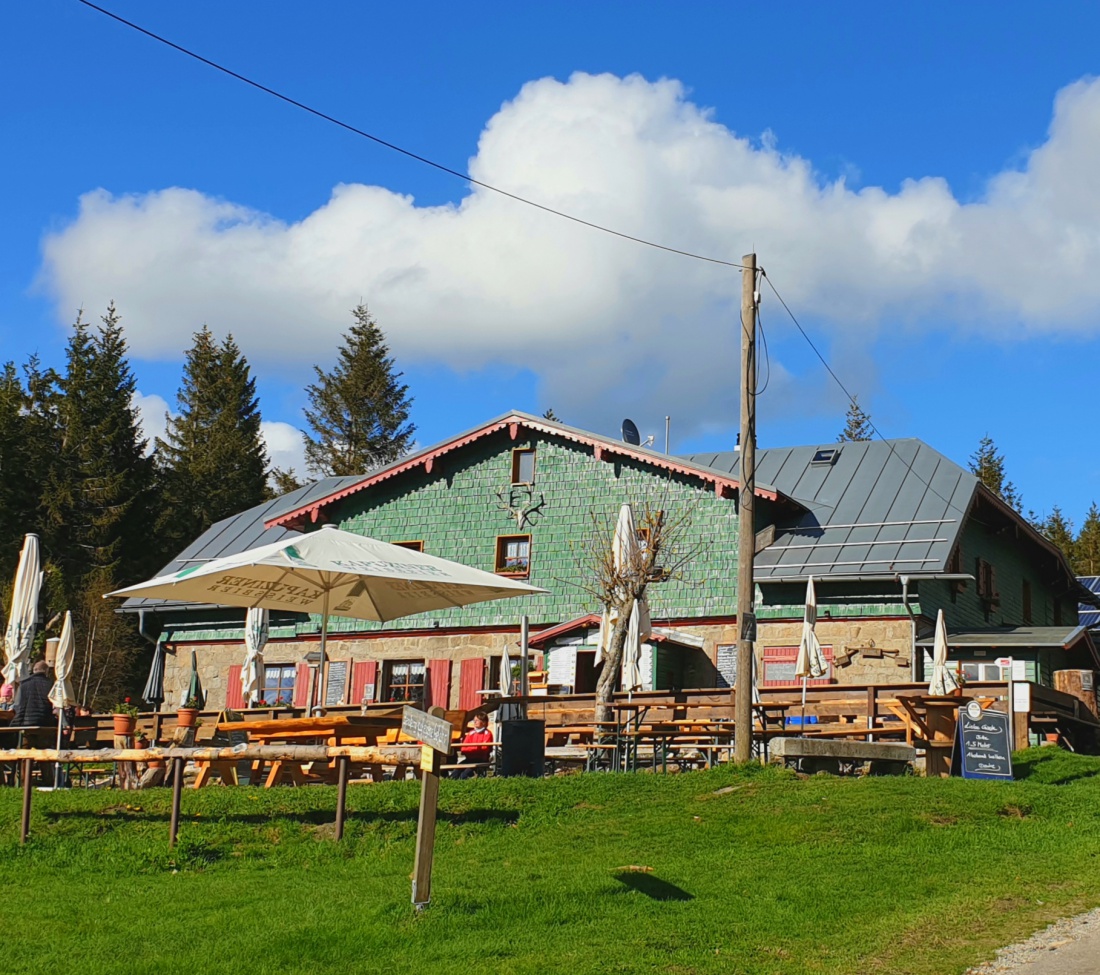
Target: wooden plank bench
{"points": [[828, 755]]}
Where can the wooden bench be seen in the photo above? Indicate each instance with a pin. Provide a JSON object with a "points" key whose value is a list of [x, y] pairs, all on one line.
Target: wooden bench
{"points": [[828, 755]]}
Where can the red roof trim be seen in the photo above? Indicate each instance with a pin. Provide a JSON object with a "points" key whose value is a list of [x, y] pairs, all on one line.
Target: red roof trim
{"points": [[581, 623], [602, 449]]}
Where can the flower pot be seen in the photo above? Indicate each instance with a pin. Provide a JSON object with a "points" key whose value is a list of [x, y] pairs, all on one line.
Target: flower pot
{"points": [[124, 723], [186, 717]]}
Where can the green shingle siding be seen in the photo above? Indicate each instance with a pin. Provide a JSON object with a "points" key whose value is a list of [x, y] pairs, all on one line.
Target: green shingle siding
{"points": [[456, 513]]}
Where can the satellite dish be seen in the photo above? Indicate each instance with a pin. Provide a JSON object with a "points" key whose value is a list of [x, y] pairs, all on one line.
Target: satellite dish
{"points": [[630, 433]]}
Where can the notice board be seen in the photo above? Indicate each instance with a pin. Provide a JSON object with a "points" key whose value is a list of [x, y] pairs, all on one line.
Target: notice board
{"points": [[983, 748]]}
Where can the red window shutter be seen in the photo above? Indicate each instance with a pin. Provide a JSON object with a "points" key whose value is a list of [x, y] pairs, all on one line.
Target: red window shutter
{"points": [[234, 696], [363, 672], [439, 684], [471, 679], [301, 685]]}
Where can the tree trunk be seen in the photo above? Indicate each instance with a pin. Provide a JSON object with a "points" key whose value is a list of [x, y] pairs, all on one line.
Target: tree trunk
{"points": [[612, 664]]}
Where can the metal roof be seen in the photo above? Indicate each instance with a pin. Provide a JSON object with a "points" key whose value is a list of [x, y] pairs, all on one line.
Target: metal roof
{"points": [[238, 533], [872, 508], [1062, 637], [1089, 615]]}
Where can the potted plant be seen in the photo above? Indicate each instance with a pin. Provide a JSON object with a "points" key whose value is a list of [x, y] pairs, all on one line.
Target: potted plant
{"points": [[125, 718], [187, 716]]}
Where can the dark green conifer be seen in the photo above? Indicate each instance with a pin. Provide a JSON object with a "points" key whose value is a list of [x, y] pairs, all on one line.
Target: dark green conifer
{"points": [[858, 424], [989, 466], [212, 460], [358, 412]]}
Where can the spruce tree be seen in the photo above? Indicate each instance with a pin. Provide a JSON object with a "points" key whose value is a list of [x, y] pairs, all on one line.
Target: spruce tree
{"points": [[1059, 530], [858, 424], [989, 466], [1086, 549], [358, 412], [212, 461], [18, 497], [100, 502]]}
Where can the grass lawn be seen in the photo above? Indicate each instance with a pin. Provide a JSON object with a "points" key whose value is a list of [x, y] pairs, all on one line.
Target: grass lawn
{"points": [[753, 871]]}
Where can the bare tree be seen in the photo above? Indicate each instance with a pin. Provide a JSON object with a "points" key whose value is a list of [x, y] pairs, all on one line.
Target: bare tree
{"points": [[664, 547]]}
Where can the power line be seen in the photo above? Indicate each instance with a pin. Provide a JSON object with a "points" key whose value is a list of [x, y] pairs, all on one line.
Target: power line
{"points": [[851, 398], [396, 148]]}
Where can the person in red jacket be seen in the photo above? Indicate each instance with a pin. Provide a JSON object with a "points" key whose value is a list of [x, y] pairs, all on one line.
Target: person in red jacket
{"points": [[476, 747]]}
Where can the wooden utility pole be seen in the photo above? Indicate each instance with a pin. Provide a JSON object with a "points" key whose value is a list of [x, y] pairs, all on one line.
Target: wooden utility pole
{"points": [[746, 521]]}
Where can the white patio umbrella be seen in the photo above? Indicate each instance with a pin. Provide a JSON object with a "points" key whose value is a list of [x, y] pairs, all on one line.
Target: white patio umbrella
{"points": [[256, 630], [632, 651], [332, 572], [19, 636], [943, 681], [62, 695], [810, 662], [625, 552]]}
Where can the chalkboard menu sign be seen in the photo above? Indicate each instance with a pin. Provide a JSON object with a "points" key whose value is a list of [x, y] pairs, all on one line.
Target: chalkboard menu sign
{"points": [[983, 747], [337, 681], [727, 664]]}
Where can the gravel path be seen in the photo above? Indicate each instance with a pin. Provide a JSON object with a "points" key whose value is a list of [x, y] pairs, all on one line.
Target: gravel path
{"points": [[1068, 947]]}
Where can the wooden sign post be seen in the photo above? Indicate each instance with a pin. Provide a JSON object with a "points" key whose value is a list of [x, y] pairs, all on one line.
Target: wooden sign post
{"points": [[435, 734]]}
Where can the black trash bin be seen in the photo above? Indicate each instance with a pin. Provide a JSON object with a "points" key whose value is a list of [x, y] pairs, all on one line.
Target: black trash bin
{"points": [[523, 748]]}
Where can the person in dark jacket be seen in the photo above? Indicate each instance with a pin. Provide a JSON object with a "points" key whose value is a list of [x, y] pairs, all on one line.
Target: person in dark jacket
{"points": [[33, 706]]}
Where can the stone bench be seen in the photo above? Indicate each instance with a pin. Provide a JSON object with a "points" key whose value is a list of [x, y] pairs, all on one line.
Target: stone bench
{"points": [[828, 755]]}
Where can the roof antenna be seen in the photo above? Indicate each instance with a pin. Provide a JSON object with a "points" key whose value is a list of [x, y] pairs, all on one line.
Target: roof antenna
{"points": [[630, 433]]}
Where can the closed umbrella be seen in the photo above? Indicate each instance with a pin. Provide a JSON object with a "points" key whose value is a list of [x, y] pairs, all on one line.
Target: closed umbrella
{"points": [[510, 711], [943, 681], [19, 635], [154, 684], [632, 651], [626, 553], [810, 662], [62, 695], [256, 631], [194, 685]]}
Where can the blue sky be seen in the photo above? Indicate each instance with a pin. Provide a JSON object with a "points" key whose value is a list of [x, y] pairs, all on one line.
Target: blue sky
{"points": [[918, 180]]}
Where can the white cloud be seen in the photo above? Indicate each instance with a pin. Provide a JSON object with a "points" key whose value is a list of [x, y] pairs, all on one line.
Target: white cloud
{"points": [[152, 411], [489, 280], [284, 447]]}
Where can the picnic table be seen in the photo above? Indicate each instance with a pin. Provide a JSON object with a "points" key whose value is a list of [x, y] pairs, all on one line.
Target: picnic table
{"points": [[337, 729], [931, 721]]}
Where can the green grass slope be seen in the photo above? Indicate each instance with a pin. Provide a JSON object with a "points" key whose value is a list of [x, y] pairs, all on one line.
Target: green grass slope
{"points": [[752, 871]]}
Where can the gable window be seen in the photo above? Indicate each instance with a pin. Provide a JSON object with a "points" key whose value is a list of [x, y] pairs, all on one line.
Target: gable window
{"points": [[523, 465], [415, 546], [405, 681], [278, 684], [1026, 600], [514, 554]]}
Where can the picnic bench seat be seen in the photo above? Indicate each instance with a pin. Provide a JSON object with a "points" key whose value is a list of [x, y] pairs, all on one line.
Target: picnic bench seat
{"points": [[822, 754]]}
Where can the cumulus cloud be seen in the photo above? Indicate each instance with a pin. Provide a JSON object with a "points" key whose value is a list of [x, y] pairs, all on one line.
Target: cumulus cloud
{"points": [[152, 411], [488, 280], [285, 447]]}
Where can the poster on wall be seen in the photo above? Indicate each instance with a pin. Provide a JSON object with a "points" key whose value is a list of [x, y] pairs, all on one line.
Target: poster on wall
{"points": [[563, 667]]}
